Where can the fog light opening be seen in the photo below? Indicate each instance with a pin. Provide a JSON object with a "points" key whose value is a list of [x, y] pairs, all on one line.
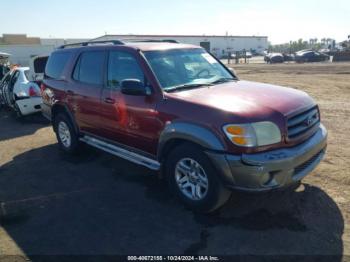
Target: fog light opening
{"points": [[266, 178]]}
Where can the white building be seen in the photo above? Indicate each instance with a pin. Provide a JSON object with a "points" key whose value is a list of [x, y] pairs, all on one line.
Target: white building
{"points": [[21, 54], [56, 42], [218, 45], [23, 48], [22, 51]]}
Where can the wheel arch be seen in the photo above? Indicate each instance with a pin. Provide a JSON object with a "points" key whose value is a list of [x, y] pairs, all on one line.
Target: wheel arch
{"points": [[61, 108], [181, 132]]}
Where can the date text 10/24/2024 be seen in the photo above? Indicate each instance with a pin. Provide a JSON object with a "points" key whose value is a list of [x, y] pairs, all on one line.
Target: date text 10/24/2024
{"points": [[173, 258]]}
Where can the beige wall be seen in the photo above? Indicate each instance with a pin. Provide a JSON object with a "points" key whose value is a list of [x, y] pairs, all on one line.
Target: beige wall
{"points": [[19, 39]]}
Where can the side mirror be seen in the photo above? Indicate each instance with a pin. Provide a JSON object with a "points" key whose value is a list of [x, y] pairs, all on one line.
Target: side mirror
{"points": [[134, 87]]}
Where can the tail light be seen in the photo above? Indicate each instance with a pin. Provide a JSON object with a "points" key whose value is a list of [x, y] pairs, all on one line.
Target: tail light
{"points": [[33, 91]]}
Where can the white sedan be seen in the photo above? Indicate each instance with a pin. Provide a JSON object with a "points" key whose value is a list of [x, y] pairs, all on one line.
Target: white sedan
{"points": [[19, 93]]}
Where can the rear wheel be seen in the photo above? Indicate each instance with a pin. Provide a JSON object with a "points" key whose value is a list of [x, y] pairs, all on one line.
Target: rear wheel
{"points": [[17, 110], [67, 137], [194, 180]]}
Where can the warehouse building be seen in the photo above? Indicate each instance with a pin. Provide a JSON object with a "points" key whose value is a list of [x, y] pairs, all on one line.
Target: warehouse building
{"points": [[22, 48], [218, 45]]}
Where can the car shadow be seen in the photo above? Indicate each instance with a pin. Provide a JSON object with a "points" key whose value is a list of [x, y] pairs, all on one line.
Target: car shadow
{"points": [[12, 126], [97, 204]]}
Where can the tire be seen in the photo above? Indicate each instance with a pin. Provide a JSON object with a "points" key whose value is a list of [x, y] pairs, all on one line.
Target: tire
{"points": [[67, 137], [210, 197], [17, 111]]}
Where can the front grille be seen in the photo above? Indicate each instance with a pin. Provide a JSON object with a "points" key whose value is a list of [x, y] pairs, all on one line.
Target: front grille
{"points": [[300, 124], [299, 169]]}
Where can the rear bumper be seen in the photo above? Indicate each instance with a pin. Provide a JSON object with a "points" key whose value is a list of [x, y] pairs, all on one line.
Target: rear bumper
{"points": [[272, 169], [29, 105]]}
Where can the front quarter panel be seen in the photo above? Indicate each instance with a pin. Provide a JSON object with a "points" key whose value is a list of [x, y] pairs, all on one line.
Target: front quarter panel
{"points": [[189, 132]]}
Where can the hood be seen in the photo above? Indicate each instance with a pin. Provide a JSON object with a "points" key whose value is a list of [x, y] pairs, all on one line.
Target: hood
{"points": [[247, 98]]}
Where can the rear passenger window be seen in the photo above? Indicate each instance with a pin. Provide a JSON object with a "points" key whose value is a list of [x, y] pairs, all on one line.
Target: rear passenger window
{"points": [[56, 64], [89, 68], [121, 66]]}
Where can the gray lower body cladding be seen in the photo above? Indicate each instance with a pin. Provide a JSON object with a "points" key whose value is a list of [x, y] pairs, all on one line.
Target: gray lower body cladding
{"points": [[272, 169]]}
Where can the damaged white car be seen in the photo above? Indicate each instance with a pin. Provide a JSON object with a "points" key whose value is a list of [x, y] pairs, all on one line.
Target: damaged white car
{"points": [[19, 93]]}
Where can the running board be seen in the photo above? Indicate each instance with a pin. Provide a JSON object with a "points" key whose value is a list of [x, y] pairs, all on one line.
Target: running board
{"points": [[121, 152]]}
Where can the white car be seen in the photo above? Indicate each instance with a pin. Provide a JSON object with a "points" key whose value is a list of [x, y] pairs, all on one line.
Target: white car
{"points": [[19, 93]]}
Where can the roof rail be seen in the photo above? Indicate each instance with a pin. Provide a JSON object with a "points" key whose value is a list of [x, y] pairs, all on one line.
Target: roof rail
{"points": [[81, 44], [140, 40], [118, 42]]}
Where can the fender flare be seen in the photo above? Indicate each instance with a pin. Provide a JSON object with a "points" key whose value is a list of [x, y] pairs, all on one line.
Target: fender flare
{"points": [[191, 132]]}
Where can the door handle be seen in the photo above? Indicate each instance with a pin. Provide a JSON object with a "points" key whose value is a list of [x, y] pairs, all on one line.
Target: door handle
{"points": [[109, 100]]}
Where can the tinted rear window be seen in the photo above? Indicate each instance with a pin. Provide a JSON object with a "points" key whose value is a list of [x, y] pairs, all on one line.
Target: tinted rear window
{"points": [[89, 69], [56, 64]]}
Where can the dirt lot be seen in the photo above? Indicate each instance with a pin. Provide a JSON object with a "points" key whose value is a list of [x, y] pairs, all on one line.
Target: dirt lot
{"points": [[97, 204]]}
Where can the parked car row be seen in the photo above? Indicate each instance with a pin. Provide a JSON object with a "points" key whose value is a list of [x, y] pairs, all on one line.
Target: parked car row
{"points": [[303, 56], [20, 88]]}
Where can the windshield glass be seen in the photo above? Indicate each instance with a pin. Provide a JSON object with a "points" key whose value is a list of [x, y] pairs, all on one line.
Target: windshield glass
{"points": [[186, 67]]}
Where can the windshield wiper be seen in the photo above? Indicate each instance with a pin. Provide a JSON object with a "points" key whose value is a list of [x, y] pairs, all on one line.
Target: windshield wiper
{"points": [[184, 87], [222, 80]]}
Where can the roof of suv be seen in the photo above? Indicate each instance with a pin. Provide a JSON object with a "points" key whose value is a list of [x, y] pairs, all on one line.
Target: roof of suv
{"points": [[143, 46]]}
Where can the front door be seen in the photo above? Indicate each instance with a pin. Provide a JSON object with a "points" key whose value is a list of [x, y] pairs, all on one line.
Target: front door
{"points": [[85, 90], [126, 119]]}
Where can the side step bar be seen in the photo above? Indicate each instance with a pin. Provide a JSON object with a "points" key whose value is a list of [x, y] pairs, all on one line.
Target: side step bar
{"points": [[121, 152]]}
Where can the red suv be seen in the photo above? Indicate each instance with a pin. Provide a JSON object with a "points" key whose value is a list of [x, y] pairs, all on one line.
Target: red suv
{"points": [[177, 109]]}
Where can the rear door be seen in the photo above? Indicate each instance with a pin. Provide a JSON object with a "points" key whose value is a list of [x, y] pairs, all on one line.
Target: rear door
{"points": [[84, 92]]}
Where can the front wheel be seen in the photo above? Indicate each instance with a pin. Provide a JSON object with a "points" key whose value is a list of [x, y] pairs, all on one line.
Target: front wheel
{"points": [[194, 180]]}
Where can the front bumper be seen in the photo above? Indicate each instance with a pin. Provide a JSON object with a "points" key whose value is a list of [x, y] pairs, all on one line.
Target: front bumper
{"points": [[272, 169]]}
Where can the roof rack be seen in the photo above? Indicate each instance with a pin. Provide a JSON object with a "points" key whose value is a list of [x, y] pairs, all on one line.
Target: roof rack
{"points": [[140, 40], [81, 44], [118, 42]]}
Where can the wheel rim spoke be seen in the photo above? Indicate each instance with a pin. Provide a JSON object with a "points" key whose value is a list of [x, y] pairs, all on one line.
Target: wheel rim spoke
{"points": [[193, 191], [64, 134], [191, 179], [198, 192], [183, 179], [183, 168]]}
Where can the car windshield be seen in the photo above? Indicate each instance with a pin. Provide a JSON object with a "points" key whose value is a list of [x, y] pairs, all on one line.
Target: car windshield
{"points": [[186, 68]]}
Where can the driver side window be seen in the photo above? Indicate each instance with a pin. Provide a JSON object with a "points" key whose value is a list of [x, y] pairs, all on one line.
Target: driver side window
{"points": [[121, 66]]}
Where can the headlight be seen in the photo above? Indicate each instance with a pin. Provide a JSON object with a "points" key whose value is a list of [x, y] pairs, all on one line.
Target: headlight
{"points": [[254, 134]]}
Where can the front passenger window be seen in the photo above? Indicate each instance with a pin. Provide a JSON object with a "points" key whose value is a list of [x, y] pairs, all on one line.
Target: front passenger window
{"points": [[121, 66]]}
